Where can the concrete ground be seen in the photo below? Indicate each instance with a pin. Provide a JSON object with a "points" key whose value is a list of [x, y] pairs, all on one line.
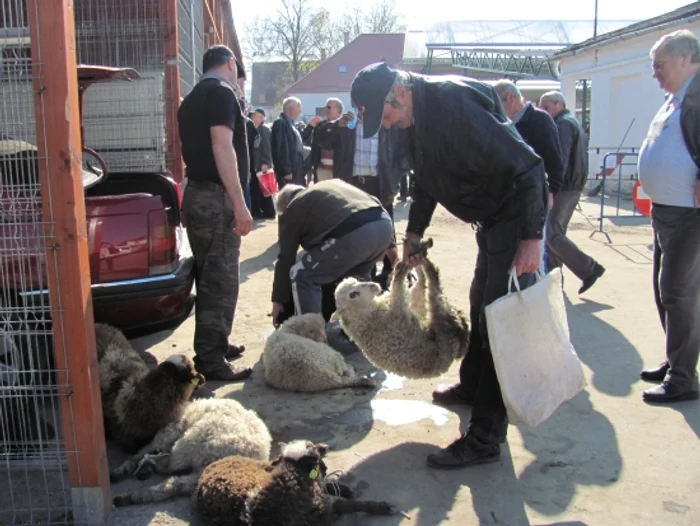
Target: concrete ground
{"points": [[603, 458]]}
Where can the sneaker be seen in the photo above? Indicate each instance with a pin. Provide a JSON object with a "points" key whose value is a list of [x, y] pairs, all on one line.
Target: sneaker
{"points": [[225, 372], [451, 395], [464, 452], [598, 271]]}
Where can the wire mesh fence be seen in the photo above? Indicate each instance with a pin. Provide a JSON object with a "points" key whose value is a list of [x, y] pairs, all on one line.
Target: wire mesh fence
{"points": [[191, 42], [33, 386]]}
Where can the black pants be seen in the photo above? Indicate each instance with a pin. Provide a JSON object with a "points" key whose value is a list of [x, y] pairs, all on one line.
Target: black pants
{"points": [[677, 289], [260, 206], [497, 247]]}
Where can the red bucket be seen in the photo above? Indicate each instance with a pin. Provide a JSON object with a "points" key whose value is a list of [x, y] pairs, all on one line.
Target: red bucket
{"points": [[268, 183]]}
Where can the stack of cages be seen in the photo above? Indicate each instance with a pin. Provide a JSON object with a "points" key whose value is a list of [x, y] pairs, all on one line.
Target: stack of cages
{"points": [[34, 390], [124, 121]]}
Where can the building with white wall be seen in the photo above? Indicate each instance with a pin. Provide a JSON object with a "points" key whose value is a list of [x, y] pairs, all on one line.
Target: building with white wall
{"points": [[624, 95]]}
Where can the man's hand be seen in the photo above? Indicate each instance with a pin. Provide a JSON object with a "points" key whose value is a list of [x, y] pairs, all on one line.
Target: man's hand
{"points": [[697, 193], [410, 245], [264, 167], [277, 309], [314, 121], [393, 255], [244, 221], [288, 177], [550, 201], [527, 257]]}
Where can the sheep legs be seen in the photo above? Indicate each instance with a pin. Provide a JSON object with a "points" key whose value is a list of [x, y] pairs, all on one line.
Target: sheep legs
{"points": [[170, 487], [162, 442], [370, 507]]}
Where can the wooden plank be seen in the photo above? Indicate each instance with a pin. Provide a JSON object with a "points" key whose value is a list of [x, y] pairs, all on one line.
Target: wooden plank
{"points": [[171, 54], [53, 50]]}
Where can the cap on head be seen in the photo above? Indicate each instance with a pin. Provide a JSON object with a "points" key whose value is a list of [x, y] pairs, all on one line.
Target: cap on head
{"points": [[260, 111], [369, 90], [217, 56]]}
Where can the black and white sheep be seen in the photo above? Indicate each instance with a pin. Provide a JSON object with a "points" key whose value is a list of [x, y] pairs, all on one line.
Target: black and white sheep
{"points": [[137, 402], [208, 430], [417, 340], [297, 358], [288, 491]]}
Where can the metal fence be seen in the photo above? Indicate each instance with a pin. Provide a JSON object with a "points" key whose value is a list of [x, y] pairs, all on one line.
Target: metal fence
{"points": [[190, 21], [50, 466]]}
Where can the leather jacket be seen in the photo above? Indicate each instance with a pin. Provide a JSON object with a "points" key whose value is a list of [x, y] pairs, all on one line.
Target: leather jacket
{"points": [[574, 153], [690, 120], [468, 157]]}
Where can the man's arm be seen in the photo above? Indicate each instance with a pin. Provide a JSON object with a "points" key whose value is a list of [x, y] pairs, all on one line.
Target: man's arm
{"points": [[279, 148], [227, 166], [546, 145], [568, 134], [265, 146]]}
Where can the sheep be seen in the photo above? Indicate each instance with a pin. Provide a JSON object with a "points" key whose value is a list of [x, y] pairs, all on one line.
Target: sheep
{"points": [[137, 401], [420, 340], [297, 358], [288, 491], [208, 430]]}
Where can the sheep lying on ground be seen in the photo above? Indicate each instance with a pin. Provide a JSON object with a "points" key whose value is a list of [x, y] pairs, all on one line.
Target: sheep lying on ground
{"points": [[288, 491], [297, 358], [207, 430], [137, 402], [417, 341]]}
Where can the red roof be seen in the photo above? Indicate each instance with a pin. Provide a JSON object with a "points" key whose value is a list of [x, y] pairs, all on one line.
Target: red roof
{"points": [[336, 73]]}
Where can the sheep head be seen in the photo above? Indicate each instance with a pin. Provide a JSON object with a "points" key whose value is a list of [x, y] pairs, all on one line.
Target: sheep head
{"points": [[181, 369], [306, 458], [354, 295], [311, 326]]}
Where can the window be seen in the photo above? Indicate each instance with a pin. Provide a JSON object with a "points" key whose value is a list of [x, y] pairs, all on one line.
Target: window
{"points": [[342, 69]]}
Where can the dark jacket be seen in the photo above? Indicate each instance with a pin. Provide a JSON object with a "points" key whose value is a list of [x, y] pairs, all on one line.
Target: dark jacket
{"points": [[311, 216], [690, 120], [285, 157], [263, 147], [537, 128], [474, 163], [392, 164], [574, 154], [253, 138]]}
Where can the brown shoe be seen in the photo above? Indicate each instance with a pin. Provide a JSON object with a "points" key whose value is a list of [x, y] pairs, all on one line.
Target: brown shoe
{"points": [[234, 351], [451, 395], [225, 372]]}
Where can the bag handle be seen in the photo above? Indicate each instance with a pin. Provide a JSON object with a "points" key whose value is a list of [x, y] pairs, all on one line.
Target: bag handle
{"points": [[513, 280]]}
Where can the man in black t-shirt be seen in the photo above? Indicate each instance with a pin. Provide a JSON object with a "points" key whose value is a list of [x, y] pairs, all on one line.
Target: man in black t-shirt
{"points": [[215, 150]]}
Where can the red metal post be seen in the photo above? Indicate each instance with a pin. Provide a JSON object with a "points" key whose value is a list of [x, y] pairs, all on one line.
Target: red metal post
{"points": [[53, 51], [171, 54]]}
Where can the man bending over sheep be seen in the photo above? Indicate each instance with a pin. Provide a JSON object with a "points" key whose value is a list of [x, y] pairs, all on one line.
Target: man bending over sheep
{"points": [[343, 230], [475, 164]]}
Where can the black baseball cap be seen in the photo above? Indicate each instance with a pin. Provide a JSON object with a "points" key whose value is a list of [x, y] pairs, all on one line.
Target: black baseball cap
{"points": [[369, 89], [260, 111], [219, 54]]}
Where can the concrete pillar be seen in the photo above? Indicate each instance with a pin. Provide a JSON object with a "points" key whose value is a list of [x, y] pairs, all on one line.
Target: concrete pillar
{"points": [[568, 89]]}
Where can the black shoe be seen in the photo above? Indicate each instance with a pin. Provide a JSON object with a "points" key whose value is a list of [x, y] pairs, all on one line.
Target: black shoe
{"points": [[655, 375], [234, 351], [452, 395], [225, 372], [464, 452], [598, 271], [667, 393]]}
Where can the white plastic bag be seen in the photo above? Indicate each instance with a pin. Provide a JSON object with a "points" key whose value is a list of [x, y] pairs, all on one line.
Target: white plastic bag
{"points": [[536, 364]]}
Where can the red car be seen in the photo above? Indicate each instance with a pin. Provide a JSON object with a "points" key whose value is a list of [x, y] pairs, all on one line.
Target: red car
{"points": [[141, 267]]}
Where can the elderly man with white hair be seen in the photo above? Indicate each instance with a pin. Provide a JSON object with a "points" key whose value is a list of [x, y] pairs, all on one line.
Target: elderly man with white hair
{"points": [[669, 169], [287, 144], [343, 231]]}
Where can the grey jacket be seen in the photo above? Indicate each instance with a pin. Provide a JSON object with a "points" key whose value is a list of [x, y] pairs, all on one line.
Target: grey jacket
{"points": [[574, 154], [263, 147], [690, 120]]}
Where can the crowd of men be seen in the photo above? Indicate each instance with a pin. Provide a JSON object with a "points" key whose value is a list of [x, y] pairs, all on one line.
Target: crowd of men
{"points": [[513, 169]]}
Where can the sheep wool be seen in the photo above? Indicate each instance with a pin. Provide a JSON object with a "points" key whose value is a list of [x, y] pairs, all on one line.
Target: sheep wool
{"points": [[208, 430], [420, 339], [297, 358]]}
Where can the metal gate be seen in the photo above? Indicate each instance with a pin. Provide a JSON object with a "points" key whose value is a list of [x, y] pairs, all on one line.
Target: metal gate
{"points": [[53, 466]]}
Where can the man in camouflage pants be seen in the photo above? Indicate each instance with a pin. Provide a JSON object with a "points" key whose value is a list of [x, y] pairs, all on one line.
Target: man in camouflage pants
{"points": [[215, 150]]}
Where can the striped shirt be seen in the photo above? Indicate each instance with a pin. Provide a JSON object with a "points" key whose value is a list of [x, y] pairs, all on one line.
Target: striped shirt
{"points": [[366, 154]]}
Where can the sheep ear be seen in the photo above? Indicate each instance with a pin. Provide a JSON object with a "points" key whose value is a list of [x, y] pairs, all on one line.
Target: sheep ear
{"points": [[322, 449], [281, 445], [335, 316]]}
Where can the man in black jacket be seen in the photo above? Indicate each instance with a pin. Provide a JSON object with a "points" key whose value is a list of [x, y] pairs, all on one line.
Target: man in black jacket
{"points": [[262, 161], [287, 145], [538, 130], [560, 249], [475, 165]]}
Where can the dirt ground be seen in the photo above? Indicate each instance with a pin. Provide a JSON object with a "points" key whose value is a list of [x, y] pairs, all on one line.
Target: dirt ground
{"points": [[603, 458]]}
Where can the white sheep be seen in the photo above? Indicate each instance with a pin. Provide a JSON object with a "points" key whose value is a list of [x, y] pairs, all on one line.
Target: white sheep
{"points": [[417, 341], [297, 358], [207, 430]]}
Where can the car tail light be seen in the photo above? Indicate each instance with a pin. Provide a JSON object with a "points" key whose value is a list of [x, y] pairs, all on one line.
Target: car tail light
{"points": [[162, 244]]}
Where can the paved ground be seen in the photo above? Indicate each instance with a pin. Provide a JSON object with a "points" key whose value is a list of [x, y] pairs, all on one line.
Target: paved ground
{"points": [[604, 458]]}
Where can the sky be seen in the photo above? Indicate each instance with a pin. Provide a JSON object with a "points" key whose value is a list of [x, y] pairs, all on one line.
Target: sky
{"points": [[415, 12]]}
